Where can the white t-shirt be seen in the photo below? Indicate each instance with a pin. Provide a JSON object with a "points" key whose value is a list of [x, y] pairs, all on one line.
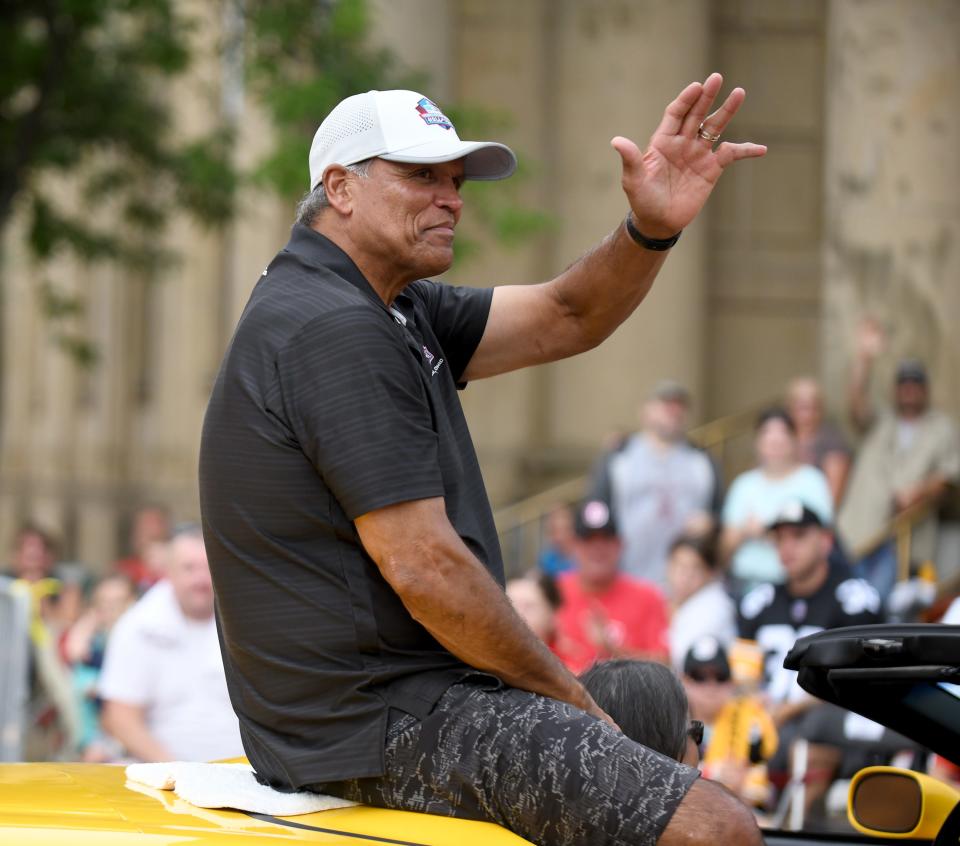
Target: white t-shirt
{"points": [[710, 611], [158, 658]]}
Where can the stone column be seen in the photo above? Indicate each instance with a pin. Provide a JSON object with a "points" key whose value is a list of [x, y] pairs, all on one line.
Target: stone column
{"points": [[892, 233], [19, 334], [571, 75], [419, 34], [618, 65]]}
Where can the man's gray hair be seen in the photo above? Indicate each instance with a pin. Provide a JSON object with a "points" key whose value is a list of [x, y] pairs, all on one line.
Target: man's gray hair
{"points": [[315, 201]]}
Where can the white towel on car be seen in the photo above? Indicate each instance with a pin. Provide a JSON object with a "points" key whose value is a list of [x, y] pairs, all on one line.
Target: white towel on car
{"points": [[229, 786]]}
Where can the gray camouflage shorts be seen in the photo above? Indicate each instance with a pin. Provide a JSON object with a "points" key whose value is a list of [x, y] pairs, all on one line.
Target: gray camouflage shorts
{"points": [[539, 767]]}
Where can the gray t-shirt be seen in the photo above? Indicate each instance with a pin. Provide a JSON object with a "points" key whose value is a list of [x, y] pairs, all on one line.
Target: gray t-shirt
{"points": [[653, 492]]}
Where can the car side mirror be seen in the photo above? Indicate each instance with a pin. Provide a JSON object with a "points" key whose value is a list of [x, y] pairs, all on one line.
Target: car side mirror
{"points": [[891, 802]]}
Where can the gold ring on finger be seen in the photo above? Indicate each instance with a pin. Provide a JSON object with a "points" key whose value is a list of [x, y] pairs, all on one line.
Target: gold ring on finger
{"points": [[707, 136]]}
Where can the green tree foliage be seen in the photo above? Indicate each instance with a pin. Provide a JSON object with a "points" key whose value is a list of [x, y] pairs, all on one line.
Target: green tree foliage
{"points": [[304, 56], [87, 121], [83, 96], [86, 124]]}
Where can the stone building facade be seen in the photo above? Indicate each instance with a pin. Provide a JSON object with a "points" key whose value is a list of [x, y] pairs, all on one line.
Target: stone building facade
{"points": [[854, 210]]}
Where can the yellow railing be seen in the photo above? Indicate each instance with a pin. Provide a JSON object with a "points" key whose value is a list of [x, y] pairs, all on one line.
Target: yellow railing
{"points": [[900, 530]]}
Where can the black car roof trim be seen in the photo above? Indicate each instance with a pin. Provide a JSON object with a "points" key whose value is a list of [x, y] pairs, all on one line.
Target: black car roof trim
{"points": [[292, 824]]}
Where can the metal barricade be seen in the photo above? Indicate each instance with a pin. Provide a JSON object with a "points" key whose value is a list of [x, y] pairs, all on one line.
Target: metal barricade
{"points": [[14, 668]]}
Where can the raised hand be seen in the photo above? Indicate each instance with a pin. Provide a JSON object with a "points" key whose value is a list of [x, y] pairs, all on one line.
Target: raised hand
{"points": [[871, 338], [668, 183]]}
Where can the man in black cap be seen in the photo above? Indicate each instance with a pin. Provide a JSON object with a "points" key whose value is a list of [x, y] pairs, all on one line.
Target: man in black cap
{"points": [[814, 597], [605, 613], [910, 455]]}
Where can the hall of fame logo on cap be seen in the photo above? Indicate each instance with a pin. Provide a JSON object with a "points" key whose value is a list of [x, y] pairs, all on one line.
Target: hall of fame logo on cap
{"points": [[431, 114]]}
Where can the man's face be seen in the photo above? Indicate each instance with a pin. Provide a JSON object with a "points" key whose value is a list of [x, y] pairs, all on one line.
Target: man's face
{"points": [[189, 574], [776, 445], [667, 418], [111, 598], [802, 549], [32, 558], [911, 398], [151, 525], [686, 573], [597, 557], [804, 404], [708, 696], [404, 215]]}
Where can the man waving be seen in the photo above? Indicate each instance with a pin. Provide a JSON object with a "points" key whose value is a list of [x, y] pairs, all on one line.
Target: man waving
{"points": [[370, 649]]}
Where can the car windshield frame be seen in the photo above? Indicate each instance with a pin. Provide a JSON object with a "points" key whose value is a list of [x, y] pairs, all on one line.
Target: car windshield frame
{"points": [[906, 677]]}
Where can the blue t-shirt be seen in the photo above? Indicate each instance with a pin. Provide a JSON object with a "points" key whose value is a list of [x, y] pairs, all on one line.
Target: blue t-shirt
{"points": [[553, 562], [755, 494]]}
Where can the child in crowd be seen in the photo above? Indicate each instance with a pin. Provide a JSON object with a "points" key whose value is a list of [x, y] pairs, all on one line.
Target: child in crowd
{"points": [[740, 734], [83, 649], [700, 603], [557, 554], [536, 599]]}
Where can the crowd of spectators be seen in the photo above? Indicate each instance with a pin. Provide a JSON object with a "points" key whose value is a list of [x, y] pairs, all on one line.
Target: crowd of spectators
{"points": [[123, 667], [674, 596], [658, 563]]}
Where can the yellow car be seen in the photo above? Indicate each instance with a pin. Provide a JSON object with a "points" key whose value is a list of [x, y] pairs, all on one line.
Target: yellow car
{"points": [[95, 805], [905, 677]]}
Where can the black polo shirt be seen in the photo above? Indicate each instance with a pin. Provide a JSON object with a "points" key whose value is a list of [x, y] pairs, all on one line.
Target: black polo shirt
{"points": [[329, 405]]}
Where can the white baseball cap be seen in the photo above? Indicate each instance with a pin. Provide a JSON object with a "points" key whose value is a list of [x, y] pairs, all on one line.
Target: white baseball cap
{"points": [[401, 126]]}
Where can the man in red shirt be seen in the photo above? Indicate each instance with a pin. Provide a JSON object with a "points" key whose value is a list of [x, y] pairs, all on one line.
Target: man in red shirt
{"points": [[606, 614]]}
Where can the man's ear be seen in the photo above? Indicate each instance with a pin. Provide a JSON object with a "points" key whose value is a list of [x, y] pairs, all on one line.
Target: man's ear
{"points": [[339, 188]]}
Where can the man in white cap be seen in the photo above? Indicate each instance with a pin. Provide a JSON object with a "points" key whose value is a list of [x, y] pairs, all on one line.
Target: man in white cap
{"points": [[369, 646]]}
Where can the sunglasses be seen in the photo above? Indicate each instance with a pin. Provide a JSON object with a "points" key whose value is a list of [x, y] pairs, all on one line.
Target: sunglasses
{"points": [[706, 676], [695, 732]]}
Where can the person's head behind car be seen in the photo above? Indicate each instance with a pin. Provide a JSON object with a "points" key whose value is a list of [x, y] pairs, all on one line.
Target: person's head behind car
{"points": [[647, 701]]}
